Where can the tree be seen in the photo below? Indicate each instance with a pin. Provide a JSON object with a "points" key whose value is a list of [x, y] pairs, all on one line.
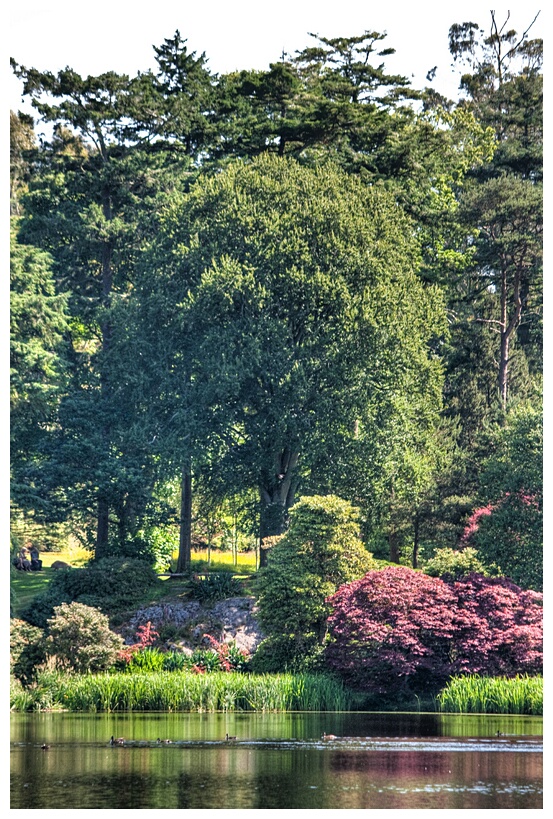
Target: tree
{"points": [[508, 524], [508, 212], [38, 360], [320, 551], [504, 203], [300, 312], [398, 630], [90, 204], [22, 141]]}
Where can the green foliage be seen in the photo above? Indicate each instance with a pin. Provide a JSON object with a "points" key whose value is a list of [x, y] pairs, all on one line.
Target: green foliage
{"points": [[512, 481], [149, 659], [175, 661], [452, 564], [320, 551], [111, 584], [473, 694], [214, 586], [166, 691], [81, 640], [27, 650], [154, 544], [296, 653], [38, 321]]}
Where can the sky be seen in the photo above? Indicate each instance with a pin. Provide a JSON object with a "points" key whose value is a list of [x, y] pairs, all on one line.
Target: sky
{"points": [[119, 35]]}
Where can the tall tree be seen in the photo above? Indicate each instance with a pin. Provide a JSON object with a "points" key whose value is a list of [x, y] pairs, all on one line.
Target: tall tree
{"points": [[504, 201], [22, 141], [302, 308], [38, 362], [90, 205]]}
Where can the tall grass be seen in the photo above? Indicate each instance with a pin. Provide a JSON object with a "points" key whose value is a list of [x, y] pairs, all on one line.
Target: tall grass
{"points": [[493, 695], [174, 691]]}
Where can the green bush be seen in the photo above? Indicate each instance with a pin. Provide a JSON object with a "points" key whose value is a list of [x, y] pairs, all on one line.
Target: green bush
{"points": [[155, 545], [214, 587], [110, 584], [321, 551], [288, 653], [148, 659], [449, 564], [81, 640], [175, 661], [27, 650]]}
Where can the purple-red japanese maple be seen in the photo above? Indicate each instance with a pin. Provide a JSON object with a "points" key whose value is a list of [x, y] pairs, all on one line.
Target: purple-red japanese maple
{"points": [[398, 628]]}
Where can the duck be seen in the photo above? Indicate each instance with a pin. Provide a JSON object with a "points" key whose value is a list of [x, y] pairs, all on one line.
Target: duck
{"points": [[499, 734], [228, 739], [166, 741], [45, 747], [329, 736], [118, 741]]}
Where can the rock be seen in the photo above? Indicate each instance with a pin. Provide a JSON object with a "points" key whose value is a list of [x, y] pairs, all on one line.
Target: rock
{"points": [[231, 620]]}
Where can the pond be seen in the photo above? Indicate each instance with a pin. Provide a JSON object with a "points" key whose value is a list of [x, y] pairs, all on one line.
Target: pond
{"points": [[377, 760]]}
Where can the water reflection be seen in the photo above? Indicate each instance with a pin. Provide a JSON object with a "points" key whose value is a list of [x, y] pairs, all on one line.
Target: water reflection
{"points": [[278, 761]]}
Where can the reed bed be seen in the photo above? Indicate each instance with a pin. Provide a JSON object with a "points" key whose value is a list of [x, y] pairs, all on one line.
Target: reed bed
{"points": [[493, 695], [176, 691]]}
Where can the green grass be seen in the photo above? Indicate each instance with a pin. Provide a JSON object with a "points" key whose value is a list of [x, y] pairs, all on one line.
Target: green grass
{"points": [[181, 691], [223, 562], [28, 585], [493, 695]]}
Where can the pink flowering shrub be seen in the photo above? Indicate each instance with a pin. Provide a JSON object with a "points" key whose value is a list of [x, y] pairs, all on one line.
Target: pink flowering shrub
{"points": [[145, 637], [398, 629], [473, 523]]}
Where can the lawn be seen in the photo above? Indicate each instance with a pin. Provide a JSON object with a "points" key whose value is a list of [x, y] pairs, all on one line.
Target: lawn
{"points": [[27, 585]]}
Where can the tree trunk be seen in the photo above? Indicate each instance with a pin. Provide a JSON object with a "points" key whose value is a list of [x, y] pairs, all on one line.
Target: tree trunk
{"points": [[276, 499], [508, 326], [185, 534], [394, 544], [504, 369], [102, 529], [416, 541], [393, 534]]}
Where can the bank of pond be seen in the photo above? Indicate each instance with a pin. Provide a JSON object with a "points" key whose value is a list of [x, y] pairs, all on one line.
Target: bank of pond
{"points": [[228, 692]]}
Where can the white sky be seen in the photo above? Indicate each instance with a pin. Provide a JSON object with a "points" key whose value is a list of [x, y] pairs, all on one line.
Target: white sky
{"points": [[119, 35]]}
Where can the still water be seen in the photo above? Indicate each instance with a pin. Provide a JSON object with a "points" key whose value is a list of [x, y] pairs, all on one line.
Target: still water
{"points": [[377, 760]]}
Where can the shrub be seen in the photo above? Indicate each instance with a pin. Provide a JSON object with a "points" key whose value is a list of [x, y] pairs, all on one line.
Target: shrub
{"points": [[450, 564], [175, 661], [288, 653], [320, 551], [214, 587], [146, 636], [230, 657], [155, 545], [398, 629], [80, 638], [110, 584], [149, 659], [27, 650]]}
